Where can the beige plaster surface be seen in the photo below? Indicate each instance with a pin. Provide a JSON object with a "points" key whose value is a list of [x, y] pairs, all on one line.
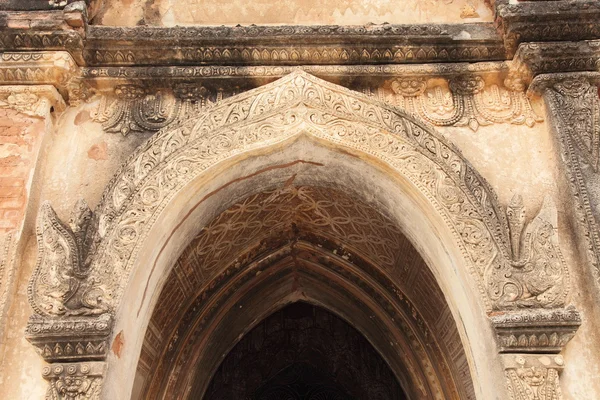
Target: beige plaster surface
{"points": [[300, 12]]}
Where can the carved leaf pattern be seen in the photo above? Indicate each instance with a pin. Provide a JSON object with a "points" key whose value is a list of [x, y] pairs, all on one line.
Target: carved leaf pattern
{"points": [[261, 117]]}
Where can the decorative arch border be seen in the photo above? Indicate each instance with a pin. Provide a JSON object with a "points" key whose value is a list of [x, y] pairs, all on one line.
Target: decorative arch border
{"points": [[84, 266], [103, 255]]}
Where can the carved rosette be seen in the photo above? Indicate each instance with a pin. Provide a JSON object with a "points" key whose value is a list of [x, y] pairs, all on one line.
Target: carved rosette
{"points": [[74, 381], [533, 377], [31, 100]]}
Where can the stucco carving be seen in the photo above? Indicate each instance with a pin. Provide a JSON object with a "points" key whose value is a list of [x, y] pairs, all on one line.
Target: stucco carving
{"points": [[459, 101], [70, 338], [258, 118], [533, 377], [31, 100], [538, 265], [136, 110], [76, 381], [575, 105], [63, 287], [465, 101], [536, 331]]}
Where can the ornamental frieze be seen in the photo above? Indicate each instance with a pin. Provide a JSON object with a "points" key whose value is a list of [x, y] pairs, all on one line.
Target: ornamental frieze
{"points": [[82, 261], [460, 100]]}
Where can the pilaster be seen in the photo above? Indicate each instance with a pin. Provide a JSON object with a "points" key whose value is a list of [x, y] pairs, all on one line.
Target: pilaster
{"points": [[26, 116], [530, 342]]}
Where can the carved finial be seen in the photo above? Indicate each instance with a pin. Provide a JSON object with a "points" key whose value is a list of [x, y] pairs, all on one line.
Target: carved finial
{"points": [[515, 213]]}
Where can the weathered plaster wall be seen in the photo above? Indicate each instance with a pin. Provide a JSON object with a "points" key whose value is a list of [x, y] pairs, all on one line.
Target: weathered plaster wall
{"points": [[77, 161], [23, 138], [302, 12]]}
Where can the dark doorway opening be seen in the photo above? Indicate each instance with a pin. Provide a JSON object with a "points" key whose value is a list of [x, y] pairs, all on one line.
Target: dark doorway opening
{"points": [[304, 352]]}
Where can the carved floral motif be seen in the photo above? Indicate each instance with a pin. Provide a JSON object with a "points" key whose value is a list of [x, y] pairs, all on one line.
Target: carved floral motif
{"points": [[275, 112], [465, 101], [575, 104], [134, 110], [64, 287], [77, 381], [536, 258], [530, 377]]}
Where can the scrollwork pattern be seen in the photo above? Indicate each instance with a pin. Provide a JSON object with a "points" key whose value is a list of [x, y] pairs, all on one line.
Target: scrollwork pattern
{"points": [[466, 101], [261, 117]]}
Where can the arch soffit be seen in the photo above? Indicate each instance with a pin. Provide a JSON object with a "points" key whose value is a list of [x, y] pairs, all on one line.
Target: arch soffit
{"points": [[100, 249], [262, 294], [292, 205]]}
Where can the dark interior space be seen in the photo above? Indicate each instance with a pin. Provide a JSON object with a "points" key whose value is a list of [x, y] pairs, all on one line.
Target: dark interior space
{"points": [[304, 352]]}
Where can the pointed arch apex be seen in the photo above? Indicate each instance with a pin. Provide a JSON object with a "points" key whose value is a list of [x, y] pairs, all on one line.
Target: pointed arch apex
{"points": [[258, 119]]}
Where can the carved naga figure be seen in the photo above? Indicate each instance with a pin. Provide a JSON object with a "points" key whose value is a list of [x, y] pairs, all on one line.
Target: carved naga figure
{"points": [[64, 287]]}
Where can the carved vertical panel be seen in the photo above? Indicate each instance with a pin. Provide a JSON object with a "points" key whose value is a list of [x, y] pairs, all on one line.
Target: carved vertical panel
{"points": [[574, 104]]}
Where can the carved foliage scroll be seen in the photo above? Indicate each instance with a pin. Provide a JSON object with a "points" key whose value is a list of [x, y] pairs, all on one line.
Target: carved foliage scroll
{"points": [[63, 287], [273, 113], [464, 101], [538, 267], [459, 101], [575, 104]]}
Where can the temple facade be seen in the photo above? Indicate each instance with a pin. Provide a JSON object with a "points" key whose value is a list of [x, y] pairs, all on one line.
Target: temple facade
{"points": [[300, 199]]}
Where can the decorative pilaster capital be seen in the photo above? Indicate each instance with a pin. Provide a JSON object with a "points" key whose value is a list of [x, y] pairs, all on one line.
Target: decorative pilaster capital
{"points": [[35, 100], [533, 377], [535, 330], [74, 381], [70, 338]]}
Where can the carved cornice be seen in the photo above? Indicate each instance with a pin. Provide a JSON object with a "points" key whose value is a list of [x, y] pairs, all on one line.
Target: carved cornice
{"points": [[536, 330], [70, 338], [292, 45], [31, 100], [75, 381], [536, 21], [55, 68], [534, 59]]}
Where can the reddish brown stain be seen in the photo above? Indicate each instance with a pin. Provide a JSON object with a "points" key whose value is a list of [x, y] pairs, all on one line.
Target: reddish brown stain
{"points": [[99, 151], [118, 344], [243, 178], [289, 182], [82, 117]]}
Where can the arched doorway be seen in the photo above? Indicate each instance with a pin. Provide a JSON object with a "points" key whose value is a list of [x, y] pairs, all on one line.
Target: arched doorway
{"points": [[314, 244], [297, 135]]}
